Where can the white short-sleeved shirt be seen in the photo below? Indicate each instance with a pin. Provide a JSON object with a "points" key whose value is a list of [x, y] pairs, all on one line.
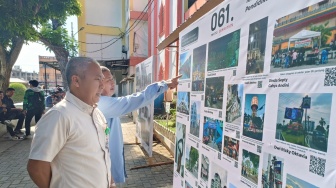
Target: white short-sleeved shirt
{"points": [[71, 136]]}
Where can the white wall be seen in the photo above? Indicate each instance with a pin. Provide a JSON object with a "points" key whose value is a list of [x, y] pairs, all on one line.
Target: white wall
{"points": [[141, 40], [104, 13], [139, 5], [110, 53]]}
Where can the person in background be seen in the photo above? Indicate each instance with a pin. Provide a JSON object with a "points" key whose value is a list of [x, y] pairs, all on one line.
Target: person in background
{"points": [[49, 101], [33, 104], [13, 112], [114, 107], [70, 145], [4, 120]]}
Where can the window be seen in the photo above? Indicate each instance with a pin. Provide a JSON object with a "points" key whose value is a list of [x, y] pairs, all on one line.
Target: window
{"points": [[161, 20], [47, 75], [190, 3], [59, 76]]}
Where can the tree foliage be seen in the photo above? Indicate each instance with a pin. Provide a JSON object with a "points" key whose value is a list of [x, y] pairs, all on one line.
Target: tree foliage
{"points": [[325, 32], [20, 90], [21, 21]]}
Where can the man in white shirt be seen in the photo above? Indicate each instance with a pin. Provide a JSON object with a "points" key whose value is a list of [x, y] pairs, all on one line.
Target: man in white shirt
{"points": [[70, 145]]}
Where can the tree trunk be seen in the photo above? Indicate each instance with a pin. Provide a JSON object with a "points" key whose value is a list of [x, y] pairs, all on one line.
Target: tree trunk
{"points": [[62, 56], [7, 61]]}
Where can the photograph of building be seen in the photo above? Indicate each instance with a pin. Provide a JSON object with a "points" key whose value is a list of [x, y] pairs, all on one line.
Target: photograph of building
{"points": [[213, 133], [224, 52], [272, 171], [254, 116], [234, 103], [304, 119], [306, 38], [214, 92], [195, 118], [218, 176], [198, 68], [183, 100], [205, 163], [256, 46], [185, 65]]}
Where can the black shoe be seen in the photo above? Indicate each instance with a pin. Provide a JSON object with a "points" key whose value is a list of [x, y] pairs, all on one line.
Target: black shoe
{"points": [[19, 133]]}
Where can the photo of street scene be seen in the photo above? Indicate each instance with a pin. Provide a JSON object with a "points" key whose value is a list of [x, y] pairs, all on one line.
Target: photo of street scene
{"points": [[304, 119], [250, 166], [183, 100], [231, 147], [185, 65], [218, 176], [305, 39], [192, 160], [180, 148], [214, 92], [234, 103], [205, 168], [198, 68], [256, 46], [254, 116], [224, 52], [294, 182], [272, 171], [195, 118], [213, 133]]}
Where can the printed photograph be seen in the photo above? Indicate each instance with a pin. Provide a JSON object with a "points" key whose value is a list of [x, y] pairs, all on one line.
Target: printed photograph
{"points": [[250, 166], [232, 186], [234, 103], [254, 116], [180, 148], [256, 46], [231, 147], [294, 182], [185, 65], [183, 100], [272, 171], [198, 68], [192, 160], [214, 92], [144, 119], [205, 168], [305, 39], [213, 133], [304, 119], [224, 52], [195, 118], [218, 176]]}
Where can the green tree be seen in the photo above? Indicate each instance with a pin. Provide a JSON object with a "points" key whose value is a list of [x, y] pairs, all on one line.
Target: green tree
{"points": [[231, 54], [20, 90], [193, 156], [325, 32], [21, 21]]}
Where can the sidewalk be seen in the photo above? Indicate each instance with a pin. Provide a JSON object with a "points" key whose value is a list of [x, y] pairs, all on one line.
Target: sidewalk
{"points": [[14, 157]]}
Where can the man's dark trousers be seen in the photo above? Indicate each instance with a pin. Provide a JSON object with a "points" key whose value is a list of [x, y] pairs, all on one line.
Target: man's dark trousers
{"points": [[29, 116], [15, 114]]}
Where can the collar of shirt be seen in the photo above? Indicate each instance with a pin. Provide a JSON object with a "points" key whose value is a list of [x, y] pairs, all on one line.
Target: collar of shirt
{"points": [[79, 103]]}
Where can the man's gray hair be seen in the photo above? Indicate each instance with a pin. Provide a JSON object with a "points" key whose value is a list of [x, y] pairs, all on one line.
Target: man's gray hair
{"points": [[77, 66], [105, 69]]}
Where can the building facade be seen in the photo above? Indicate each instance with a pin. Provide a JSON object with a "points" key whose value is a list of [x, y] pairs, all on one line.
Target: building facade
{"points": [[24, 75], [49, 75]]}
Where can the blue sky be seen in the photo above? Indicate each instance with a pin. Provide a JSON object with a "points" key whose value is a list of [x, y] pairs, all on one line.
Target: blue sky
{"points": [[28, 58]]}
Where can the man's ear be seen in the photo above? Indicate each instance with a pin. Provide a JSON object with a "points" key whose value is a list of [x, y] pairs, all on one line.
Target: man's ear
{"points": [[75, 80]]}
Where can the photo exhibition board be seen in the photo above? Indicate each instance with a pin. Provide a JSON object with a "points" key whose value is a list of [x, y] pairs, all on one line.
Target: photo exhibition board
{"points": [[144, 124], [256, 97]]}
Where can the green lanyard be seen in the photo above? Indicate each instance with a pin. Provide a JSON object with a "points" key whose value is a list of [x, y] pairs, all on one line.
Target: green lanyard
{"points": [[107, 131]]}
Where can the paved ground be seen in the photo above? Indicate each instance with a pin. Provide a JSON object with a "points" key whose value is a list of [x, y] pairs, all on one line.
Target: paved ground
{"points": [[14, 156]]}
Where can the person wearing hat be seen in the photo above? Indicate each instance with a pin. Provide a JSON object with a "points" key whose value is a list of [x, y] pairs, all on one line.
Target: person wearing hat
{"points": [[33, 104]]}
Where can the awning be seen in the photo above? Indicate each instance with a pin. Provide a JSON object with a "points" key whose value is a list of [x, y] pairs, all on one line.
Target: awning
{"points": [[174, 36], [50, 61], [17, 80]]}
